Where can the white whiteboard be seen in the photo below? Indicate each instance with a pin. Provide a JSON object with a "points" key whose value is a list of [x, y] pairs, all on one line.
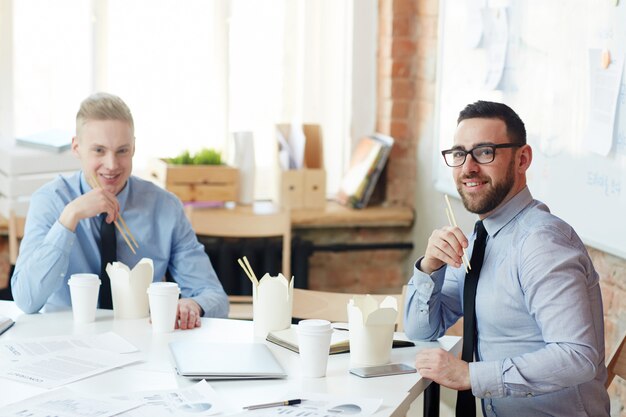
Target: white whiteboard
{"points": [[545, 80]]}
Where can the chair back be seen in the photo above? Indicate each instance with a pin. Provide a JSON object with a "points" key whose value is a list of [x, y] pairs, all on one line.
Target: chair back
{"points": [[617, 362], [332, 306], [244, 223]]}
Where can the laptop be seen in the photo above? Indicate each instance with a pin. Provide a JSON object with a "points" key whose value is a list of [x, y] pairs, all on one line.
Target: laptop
{"points": [[225, 360]]}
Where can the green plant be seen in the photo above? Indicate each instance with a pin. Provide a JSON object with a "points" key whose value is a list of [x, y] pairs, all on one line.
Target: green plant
{"points": [[204, 156]]}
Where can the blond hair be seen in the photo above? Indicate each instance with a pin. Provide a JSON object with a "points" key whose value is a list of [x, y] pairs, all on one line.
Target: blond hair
{"points": [[103, 106]]}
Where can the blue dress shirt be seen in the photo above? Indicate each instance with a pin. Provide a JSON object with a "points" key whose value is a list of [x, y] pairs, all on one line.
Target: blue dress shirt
{"points": [[50, 253], [540, 347]]}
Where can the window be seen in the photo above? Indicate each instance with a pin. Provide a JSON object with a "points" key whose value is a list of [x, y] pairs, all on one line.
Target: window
{"points": [[191, 72]]}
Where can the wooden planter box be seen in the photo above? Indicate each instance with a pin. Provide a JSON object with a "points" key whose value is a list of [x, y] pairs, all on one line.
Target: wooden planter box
{"points": [[197, 182]]}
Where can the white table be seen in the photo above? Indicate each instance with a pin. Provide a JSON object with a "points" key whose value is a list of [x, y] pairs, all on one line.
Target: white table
{"points": [[157, 372]]}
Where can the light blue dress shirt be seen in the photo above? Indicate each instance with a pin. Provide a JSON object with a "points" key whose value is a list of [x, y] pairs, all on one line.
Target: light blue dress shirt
{"points": [[540, 348], [50, 253]]}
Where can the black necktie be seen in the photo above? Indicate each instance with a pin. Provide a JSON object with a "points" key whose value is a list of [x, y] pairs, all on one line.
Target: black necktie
{"points": [[108, 254], [465, 402]]}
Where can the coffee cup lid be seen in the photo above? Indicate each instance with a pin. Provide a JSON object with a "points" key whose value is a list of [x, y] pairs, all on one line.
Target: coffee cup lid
{"points": [[314, 325], [158, 288], [84, 279]]}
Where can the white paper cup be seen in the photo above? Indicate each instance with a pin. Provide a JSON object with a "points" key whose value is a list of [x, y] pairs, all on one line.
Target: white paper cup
{"points": [[370, 345], [84, 289], [314, 345], [163, 298]]}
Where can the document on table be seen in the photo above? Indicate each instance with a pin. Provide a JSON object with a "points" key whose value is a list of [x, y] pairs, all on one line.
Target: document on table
{"points": [[319, 405], [15, 350], [62, 367], [66, 403], [199, 400]]}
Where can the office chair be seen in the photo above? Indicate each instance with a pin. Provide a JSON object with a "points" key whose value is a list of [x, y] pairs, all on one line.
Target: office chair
{"points": [[244, 223], [617, 362]]}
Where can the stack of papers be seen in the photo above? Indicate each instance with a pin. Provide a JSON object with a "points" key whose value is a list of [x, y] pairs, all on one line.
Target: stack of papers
{"points": [[50, 140]]}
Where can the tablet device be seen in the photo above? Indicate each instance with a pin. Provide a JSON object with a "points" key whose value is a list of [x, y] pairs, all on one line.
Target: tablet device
{"points": [[225, 360]]}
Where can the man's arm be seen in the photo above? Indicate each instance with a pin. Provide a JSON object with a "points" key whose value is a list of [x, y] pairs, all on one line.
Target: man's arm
{"points": [[432, 301], [562, 293], [49, 235], [191, 268], [44, 255]]}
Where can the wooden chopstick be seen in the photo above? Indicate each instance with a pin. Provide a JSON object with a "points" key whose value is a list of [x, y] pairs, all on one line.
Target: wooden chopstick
{"points": [[97, 185], [256, 281], [248, 272], [452, 222]]}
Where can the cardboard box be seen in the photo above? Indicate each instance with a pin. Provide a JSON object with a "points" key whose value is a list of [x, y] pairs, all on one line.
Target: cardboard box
{"points": [[305, 188], [197, 182]]}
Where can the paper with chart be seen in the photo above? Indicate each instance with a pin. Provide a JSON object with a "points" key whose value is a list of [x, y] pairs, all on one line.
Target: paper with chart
{"points": [[67, 403], [15, 350], [199, 400], [59, 368], [604, 87], [320, 405]]}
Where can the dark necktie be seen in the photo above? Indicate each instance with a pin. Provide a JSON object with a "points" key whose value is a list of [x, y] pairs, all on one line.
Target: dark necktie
{"points": [[465, 402], [108, 254]]}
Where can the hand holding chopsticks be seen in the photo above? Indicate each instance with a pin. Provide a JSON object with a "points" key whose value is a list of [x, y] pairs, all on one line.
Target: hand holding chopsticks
{"points": [[126, 230], [248, 270], [452, 221]]}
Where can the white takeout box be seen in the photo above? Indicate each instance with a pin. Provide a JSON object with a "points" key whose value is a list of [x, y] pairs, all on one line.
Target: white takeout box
{"points": [[272, 301], [371, 329], [129, 288]]}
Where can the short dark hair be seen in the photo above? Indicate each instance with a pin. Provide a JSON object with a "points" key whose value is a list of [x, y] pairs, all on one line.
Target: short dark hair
{"points": [[515, 129]]}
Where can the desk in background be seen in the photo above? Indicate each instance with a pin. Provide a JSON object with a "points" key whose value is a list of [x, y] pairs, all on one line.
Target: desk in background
{"points": [[332, 216], [332, 229], [157, 372]]}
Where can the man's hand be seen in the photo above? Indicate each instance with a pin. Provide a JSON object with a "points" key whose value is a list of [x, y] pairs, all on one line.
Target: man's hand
{"points": [[443, 368], [445, 246], [188, 314], [89, 205]]}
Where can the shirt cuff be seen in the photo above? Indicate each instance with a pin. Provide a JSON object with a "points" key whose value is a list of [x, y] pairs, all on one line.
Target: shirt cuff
{"points": [[486, 379], [425, 285]]}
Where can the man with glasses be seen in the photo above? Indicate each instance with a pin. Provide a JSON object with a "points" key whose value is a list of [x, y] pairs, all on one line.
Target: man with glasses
{"points": [[536, 310]]}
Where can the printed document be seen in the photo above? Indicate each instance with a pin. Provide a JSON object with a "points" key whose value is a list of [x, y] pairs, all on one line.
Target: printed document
{"points": [[198, 400], [59, 368], [66, 403]]}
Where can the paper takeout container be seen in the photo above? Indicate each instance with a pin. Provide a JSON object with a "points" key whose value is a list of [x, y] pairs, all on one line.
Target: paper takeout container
{"points": [[371, 329], [129, 288], [272, 301]]}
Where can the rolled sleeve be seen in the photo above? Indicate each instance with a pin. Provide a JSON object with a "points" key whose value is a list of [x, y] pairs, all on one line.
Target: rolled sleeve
{"points": [[429, 308]]}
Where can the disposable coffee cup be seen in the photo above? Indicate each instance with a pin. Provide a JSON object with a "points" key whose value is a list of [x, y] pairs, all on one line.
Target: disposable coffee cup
{"points": [[84, 289], [163, 298], [314, 346]]}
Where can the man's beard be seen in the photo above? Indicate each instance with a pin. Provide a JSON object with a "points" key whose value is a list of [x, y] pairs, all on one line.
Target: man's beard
{"points": [[492, 198]]}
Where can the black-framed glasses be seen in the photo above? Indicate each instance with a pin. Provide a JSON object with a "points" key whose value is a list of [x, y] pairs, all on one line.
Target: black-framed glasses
{"points": [[482, 154]]}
